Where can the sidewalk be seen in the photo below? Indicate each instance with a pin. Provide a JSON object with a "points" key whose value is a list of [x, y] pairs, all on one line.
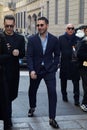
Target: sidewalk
{"points": [[69, 117], [74, 122]]}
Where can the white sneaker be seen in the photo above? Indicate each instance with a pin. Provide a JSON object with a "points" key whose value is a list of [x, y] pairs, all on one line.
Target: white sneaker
{"points": [[84, 107]]}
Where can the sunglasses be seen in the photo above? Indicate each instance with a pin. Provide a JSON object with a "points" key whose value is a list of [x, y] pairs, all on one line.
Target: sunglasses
{"points": [[70, 28], [9, 26], [41, 25]]}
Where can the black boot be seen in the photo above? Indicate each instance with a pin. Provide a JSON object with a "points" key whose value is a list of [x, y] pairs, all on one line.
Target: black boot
{"points": [[7, 124], [65, 99]]}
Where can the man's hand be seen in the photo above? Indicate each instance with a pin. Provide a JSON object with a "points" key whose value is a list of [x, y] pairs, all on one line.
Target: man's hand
{"points": [[15, 52], [33, 75]]}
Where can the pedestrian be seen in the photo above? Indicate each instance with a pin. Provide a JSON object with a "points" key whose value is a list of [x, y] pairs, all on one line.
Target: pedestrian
{"points": [[82, 59], [4, 95], [43, 58], [16, 50], [68, 64]]}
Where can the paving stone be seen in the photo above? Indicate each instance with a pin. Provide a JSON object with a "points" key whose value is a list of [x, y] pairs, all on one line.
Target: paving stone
{"points": [[1, 125], [69, 125], [83, 123], [21, 125]]}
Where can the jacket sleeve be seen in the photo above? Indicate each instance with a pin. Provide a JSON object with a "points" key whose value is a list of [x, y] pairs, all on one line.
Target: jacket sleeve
{"points": [[4, 56], [22, 47], [57, 54], [82, 52]]}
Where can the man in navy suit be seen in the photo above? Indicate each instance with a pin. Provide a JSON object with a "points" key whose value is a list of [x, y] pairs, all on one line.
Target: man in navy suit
{"points": [[43, 58]]}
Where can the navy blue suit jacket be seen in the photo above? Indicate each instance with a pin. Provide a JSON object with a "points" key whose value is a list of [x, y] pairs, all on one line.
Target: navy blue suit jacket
{"points": [[35, 54]]}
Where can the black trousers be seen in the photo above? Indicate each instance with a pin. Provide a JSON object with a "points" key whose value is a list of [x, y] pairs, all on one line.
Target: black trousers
{"points": [[4, 100], [83, 73], [50, 81], [75, 88]]}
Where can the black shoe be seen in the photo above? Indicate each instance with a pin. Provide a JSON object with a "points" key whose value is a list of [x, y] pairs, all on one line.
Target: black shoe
{"points": [[7, 128], [31, 112], [8, 125], [77, 104], [65, 99], [53, 123]]}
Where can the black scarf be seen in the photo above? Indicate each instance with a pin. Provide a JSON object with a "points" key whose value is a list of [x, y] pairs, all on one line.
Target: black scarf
{"points": [[71, 38]]}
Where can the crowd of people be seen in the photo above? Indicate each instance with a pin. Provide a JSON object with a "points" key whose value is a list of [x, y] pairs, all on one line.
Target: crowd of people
{"points": [[45, 54]]}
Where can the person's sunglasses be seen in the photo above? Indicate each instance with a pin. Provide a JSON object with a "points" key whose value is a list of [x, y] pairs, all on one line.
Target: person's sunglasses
{"points": [[9, 26], [40, 25], [70, 28]]}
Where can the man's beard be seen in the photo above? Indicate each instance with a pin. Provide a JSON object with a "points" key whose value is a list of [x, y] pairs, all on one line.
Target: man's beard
{"points": [[42, 33]]}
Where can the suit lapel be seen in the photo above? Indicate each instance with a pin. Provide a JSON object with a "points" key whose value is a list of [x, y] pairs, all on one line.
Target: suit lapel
{"points": [[39, 43]]}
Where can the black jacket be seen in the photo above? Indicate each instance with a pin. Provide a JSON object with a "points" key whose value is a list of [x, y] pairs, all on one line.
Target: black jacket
{"points": [[16, 41], [68, 68], [82, 53]]}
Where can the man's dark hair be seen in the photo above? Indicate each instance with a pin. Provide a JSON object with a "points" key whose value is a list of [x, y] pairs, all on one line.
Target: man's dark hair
{"points": [[82, 27], [9, 17], [45, 19], [85, 28]]}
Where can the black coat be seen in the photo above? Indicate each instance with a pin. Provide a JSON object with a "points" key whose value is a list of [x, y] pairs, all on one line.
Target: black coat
{"points": [[4, 95], [68, 68], [82, 53], [16, 41]]}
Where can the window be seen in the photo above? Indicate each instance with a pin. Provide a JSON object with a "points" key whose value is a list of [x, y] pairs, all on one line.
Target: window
{"points": [[48, 9], [24, 19], [18, 20], [29, 1], [21, 18], [56, 11], [67, 12], [81, 11]]}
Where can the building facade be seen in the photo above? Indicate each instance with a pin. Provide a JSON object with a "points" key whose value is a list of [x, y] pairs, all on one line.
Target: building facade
{"points": [[59, 13]]}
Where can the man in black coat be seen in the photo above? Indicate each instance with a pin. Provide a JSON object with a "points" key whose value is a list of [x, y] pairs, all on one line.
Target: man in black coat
{"points": [[4, 95], [16, 50], [43, 58], [68, 65]]}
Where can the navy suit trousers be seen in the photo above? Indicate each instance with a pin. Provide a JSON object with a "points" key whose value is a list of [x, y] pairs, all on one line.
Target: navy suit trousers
{"points": [[50, 81]]}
